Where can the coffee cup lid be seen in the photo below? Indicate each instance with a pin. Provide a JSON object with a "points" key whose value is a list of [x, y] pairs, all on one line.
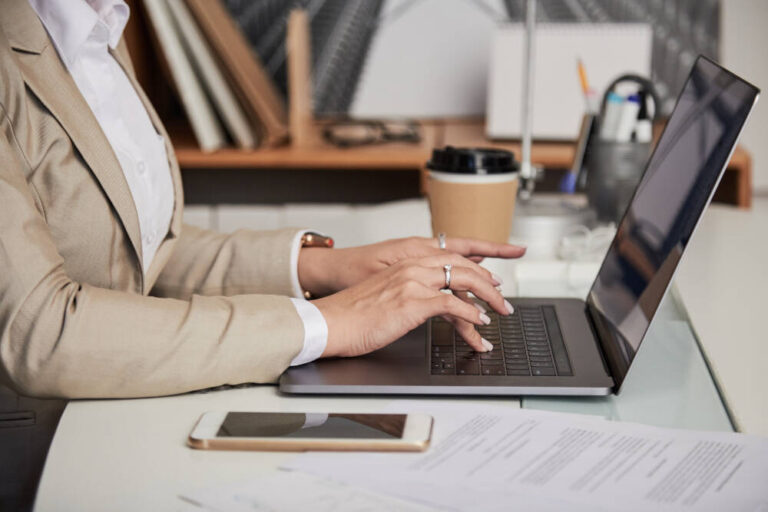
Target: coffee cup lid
{"points": [[472, 160]]}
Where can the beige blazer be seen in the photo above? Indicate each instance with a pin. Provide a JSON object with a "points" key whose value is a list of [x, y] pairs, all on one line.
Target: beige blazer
{"points": [[77, 316]]}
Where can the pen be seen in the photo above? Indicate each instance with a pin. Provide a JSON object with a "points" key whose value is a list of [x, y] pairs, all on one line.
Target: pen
{"points": [[610, 120], [589, 95], [627, 118], [644, 126]]}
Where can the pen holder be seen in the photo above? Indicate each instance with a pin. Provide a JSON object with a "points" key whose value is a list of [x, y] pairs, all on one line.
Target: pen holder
{"points": [[615, 168]]}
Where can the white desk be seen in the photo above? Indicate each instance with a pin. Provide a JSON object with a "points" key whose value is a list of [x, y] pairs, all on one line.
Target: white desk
{"points": [[723, 282], [131, 454]]}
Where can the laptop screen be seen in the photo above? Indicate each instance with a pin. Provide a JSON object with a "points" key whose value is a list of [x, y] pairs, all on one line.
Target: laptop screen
{"points": [[678, 182]]}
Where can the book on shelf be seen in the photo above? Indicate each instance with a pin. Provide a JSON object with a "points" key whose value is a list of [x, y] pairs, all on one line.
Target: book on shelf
{"points": [[222, 96], [205, 125], [244, 69]]}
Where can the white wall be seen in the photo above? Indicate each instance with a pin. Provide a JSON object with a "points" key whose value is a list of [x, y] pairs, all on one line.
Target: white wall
{"points": [[744, 50], [429, 59]]}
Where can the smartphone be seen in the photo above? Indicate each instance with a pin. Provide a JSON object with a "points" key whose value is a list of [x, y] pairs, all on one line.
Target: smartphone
{"points": [[289, 431]]}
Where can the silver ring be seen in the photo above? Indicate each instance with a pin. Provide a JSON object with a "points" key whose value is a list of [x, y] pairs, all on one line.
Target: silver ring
{"points": [[441, 240], [447, 269]]}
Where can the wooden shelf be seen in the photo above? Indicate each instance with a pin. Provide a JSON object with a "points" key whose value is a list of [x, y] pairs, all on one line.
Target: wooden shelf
{"points": [[319, 155], [735, 188]]}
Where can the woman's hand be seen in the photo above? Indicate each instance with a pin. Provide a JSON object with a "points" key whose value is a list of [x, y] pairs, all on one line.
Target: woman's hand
{"points": [[326, 271], [381, 309]]}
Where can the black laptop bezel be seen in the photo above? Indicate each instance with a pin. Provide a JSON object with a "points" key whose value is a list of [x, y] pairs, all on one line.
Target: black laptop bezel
{"points": [[608, 343]]}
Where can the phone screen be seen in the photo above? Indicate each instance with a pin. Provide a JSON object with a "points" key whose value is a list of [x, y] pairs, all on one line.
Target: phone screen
{"points": [[312, 425]]}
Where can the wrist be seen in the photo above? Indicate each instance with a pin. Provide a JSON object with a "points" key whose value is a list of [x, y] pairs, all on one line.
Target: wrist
{"points": [[315, 269], [331, 344]]}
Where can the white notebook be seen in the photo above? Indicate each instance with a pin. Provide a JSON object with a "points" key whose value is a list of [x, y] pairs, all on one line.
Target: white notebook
{"points": [[205, 125], [607, 50]]}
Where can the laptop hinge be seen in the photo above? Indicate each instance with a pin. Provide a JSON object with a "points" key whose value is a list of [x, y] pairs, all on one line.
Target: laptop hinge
{"points": [[597, 338]]}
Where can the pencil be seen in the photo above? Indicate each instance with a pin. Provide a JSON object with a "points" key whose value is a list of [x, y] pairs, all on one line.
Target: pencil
{"points": [[583, 78]]}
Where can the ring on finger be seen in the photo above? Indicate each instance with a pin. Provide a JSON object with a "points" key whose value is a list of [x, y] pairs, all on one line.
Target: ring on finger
{"points": [[441, 240], [447, 269]]}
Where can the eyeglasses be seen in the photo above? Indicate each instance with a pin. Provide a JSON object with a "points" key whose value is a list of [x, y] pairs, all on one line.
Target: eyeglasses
{"points": [[351, 132]]}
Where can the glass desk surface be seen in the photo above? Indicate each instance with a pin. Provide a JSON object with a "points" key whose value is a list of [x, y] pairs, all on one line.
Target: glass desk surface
{"points": [[669, 383]]}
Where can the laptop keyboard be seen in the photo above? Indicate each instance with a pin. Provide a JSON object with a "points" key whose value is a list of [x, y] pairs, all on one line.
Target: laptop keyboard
{"points": [[527, 342]]}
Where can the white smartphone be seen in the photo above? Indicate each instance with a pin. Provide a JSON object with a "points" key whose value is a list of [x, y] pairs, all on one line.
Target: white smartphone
{"points": [[283, 431]]}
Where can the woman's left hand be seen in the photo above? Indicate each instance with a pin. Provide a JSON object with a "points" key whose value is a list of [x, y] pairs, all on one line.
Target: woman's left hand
{"points": [[326, 271]]}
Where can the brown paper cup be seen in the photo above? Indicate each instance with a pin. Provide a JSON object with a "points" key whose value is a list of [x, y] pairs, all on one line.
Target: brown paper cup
{"points": [[472, 205]]}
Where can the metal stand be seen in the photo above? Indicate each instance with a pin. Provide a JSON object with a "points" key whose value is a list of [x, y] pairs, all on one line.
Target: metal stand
{"points": [[541, 218]]}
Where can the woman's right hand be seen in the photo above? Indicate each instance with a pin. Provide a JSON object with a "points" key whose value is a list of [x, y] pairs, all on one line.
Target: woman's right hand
{"points": [[384, 307]]}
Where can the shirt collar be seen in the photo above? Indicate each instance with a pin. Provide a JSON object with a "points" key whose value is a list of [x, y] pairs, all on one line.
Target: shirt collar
{"points": [[71, 22]]}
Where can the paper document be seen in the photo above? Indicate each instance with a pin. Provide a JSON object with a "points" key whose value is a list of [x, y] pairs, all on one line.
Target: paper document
{"points": [[286, 491], [493, 458]]}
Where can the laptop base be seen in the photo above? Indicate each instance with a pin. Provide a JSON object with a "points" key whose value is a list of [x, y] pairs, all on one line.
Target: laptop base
{"points": [[403, 368]]}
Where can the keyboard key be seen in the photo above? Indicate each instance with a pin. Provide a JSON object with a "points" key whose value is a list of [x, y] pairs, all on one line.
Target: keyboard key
{"points": [[518, 372], [517, 366], [437, 364], [441, 371], [491, 355], [543, 371], [540, 364], [442, 333], [449, 365], [467, 368], [494, 371]]}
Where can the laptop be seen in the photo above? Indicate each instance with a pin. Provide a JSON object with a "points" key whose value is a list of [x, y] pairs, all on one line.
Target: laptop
{"points": [[565, 346]]}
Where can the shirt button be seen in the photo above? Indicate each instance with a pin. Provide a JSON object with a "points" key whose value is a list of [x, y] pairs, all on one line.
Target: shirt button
{"points": [[141, 167]]}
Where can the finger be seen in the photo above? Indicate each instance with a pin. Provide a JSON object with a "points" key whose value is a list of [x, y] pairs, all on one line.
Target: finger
{"points": [[469, 300], [467, 280], [447, 304], [440, 260], [472, 247], [469, 334]]}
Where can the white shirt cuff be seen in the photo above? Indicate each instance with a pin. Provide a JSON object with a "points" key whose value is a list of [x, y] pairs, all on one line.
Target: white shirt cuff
{"points": [[296, 290], [315, 332]]}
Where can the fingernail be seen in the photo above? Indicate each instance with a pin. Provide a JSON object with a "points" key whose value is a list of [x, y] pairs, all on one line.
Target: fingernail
{"points": [[479, 307], [487, 345], [509, 307], [497, 279], [485, 318]]}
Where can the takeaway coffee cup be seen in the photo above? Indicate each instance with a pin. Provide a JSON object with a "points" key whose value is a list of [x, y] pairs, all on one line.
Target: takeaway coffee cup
{"points": [[472, 192]]}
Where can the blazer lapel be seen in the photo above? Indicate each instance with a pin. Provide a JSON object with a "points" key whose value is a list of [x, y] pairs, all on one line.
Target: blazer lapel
{"points": [[49, 80]]}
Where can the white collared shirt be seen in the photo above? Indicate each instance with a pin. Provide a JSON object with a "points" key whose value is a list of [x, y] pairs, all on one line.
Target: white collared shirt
{"points": [[83, 32]]}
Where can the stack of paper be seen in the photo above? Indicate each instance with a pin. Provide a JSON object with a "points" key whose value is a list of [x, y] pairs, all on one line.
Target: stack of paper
{"points": [[493, 458]]}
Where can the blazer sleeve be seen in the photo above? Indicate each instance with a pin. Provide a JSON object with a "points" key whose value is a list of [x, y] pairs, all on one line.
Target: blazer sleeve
{"points": [[62, 338], [209, 263]]}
